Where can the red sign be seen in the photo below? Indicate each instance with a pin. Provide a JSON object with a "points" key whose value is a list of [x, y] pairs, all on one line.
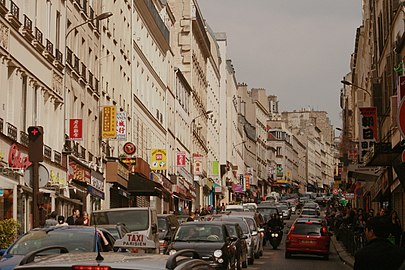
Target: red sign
{"points": [[368, 129], [247, 181], [79, 173], [129, 148], [401, 92], [401, 117], [76, 129], [17, 159], [181, 159]]}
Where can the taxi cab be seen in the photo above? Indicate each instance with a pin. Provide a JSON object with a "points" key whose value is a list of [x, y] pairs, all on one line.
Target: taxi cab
{"points": [[308, 236]]}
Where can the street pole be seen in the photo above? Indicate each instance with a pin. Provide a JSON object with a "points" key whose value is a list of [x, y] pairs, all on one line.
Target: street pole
{"points": [[35, 194]]}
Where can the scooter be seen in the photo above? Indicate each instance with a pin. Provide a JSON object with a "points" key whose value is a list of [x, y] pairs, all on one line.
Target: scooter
{"points": [[275, 236]]}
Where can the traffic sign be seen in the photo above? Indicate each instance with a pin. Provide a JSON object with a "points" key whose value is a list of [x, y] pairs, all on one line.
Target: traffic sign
{"points": [[129, 148], [130, 161]]}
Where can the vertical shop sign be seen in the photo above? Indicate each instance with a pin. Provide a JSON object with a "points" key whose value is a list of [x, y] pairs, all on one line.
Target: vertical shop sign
{"points": [[215, 167], [181, 159], [121, 126], [368, 130], [109, 118], [198, 160], [76, 129]]}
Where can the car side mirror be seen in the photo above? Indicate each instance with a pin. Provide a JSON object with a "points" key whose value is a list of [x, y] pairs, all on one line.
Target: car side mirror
{"points": [[233, 238], [261, 230], [173, 228], [2, 251], [254, 233], [244, 237], [154, 228]]}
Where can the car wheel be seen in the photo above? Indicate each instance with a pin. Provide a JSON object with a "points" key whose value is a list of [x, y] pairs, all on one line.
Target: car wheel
{"points": [[287, 255]]}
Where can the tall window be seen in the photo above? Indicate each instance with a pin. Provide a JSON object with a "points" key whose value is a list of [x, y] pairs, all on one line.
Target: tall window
{"points": [[24, 103], [57, 41]]}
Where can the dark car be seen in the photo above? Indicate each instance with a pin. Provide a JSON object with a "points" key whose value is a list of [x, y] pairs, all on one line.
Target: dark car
{"points": [[210, 239], [117, 231], [235, 231], [167, 226], [246, 232], [183, 260], [267, 211], [76, 239]]}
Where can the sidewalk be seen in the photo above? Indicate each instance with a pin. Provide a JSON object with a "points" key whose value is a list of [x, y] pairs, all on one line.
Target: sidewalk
{"points": [[341, 251]]}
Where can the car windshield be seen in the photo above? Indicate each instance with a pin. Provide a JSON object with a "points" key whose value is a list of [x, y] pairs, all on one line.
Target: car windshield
{"points": [[162, 224], [307, 229], [231, 230], [73, 240], [282, 207], [251, 223], [199, 233], [135, 220]]}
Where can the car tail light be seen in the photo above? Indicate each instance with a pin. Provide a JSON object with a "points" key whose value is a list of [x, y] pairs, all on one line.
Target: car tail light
{"points": [[90, 267], [292, 228], [308, 222], [164, 244], [324, 230]]}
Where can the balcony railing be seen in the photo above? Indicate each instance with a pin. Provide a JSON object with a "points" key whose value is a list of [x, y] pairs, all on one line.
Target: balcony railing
{"points": [[47, 151], [96, 85], [69, 57], [14, 10], [77, 64], [83, 152], [27, 23], [11, 131], [91, 14], [84, 71], [75, 149], [57, 157], [49, 46], [38, 35], [84, 6], [3, 2], [90, 79], [59, 56], [24, 138], [91, 156]]}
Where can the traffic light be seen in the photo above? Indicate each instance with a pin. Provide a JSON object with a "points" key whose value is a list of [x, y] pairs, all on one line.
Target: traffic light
{"points": [[35, 144]]}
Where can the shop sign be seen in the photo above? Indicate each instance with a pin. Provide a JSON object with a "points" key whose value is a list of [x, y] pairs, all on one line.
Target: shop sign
{"points": [[215, 167], [78, 173], [166, 184], [181, 159], [247, 181], [279, 170], [349, 196], [197, 164], [158, 159], [109, 122], [156, 177], [95, 192], [121, 126], [97, 180], [56, 179], [16, 159], [76, 129], [368, 130], [122, 171]]}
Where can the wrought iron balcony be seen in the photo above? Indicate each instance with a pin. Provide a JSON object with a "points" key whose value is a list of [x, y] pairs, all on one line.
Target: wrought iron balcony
{"points": [[14, 10], [91, 79], [59, 56], [47, 151], [24, 138], [57, 157], [84, 72], [77, 64], [11, 131], [49, 47], [69, 57], [27, 23], [83, 152], [38, 35]]}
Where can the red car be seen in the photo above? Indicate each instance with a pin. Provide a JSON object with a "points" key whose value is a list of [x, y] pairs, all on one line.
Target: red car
{"points": [[308, 236]]}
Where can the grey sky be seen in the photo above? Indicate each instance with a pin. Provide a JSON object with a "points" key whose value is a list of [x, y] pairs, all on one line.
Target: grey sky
{"points": [[298, 50]]}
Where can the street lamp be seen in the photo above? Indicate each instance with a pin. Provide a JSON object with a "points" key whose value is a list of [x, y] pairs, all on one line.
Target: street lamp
{"points": [[100, 17], [344, 82]]}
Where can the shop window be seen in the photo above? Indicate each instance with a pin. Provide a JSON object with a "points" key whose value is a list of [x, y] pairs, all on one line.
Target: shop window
{"points": [[6, 204]]}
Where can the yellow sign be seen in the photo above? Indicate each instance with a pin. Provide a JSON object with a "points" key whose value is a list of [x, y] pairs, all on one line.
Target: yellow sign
{"points": [[109, 124], [158, 159]]}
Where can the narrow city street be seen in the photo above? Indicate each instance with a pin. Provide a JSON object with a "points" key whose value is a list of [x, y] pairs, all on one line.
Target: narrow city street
{"points": [[274, 259]]}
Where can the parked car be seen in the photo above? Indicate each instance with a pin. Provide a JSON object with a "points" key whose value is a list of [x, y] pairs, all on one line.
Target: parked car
{"points": [[246, 232], [308, 236], [167, 226], [210, 239], [117, 231], [74, 239], [250, 206], [234, 208], [182, 260]]}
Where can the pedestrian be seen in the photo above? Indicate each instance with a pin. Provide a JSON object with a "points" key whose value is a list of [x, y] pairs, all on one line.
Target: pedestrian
{"points": [[71, 220], [86, 219], [51, 220], [61, 221], [396, 229], [379, 253]]}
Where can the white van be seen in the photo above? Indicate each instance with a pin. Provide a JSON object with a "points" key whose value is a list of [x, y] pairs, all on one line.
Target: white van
{"points": [[234, 208], [142, 220]]}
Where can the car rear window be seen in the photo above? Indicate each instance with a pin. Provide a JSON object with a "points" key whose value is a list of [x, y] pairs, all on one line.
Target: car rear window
{"points": [[307, 229], [308, 212]]}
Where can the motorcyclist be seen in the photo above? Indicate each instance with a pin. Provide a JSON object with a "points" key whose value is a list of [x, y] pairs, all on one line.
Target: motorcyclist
{"points": [[274, 224]]}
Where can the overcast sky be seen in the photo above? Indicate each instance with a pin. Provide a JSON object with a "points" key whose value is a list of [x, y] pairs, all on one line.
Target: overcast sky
{"points": [[298, 50]]}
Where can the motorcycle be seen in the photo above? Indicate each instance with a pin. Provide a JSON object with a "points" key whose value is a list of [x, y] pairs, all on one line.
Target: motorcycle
{"points": [[275, 236]]}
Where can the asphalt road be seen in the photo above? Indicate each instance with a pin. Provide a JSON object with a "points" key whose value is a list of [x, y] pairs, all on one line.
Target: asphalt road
{"points": [[274, 259]]}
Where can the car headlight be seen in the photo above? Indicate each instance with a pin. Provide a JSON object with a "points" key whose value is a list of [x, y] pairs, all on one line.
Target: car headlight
{"points": [[172, 251], [217, 253]]}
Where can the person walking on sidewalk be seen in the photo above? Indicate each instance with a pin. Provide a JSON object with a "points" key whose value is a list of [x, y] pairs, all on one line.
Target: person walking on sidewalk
{"points": [[379, 252]]}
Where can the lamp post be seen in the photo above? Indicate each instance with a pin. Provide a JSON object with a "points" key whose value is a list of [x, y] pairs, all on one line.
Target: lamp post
{"points": [[192, 144], [344, 82], [100, 17]]}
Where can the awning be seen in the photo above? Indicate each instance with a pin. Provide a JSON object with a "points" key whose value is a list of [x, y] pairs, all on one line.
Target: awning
{"points": [[364, 173], [382, 154], [140, 185]]}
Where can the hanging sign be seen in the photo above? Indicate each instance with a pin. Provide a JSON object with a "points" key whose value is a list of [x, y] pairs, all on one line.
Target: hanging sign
{"points": [[181, 159], [109, 122], [368, 129], [158, 159], [76, 129], [121, 126]]}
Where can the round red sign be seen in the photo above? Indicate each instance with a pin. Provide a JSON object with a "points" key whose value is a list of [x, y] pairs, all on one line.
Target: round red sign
{"points": [[129, 148], [401, 117]]}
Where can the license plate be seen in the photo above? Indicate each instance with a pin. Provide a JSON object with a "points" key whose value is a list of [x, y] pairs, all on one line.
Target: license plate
{"points": [[307, 241]]}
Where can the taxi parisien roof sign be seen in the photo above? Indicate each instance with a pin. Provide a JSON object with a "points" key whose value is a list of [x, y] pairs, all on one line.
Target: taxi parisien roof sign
{"points": [[135, 240]]}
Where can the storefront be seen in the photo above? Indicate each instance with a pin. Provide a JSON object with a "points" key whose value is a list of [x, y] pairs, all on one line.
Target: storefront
{"points": [[117, 175]]}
